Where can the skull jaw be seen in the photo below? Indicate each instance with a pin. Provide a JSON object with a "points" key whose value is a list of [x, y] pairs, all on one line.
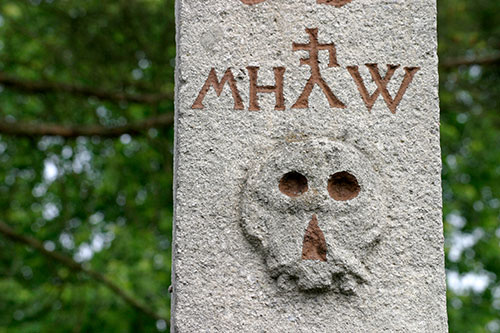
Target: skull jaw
{"points": [[314, 275], [312, 281], [319, 276]]}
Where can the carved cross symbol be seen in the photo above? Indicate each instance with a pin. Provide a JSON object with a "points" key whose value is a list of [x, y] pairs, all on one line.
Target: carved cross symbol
{"points": [[313, 61], [336, 3]]}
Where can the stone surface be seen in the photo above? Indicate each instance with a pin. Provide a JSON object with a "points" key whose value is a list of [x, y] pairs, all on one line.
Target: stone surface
{"points": [[276, 223], [299, 115]]}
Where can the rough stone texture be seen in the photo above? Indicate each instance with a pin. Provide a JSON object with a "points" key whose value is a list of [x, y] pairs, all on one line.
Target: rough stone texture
{"points": [[276, 223], [238, 239]]}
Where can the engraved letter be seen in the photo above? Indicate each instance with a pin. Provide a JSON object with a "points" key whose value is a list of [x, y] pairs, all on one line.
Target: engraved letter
{"points": [[382, 83], [277, 89], [336, 3], [218, 86], [252, 2]]}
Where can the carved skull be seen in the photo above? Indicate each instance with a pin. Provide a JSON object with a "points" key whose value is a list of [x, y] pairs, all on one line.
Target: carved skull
{"points": [[312, 209]]}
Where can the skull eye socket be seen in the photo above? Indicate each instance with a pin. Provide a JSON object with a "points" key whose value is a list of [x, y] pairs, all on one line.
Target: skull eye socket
{"points": [[293, 184], [343, 186]]}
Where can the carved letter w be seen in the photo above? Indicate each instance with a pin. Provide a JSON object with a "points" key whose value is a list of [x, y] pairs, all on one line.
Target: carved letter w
{"points": [[382, 83], [218, 86]]}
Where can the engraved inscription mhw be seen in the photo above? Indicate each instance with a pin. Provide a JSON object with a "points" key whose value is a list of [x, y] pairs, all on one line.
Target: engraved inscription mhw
{"points": [[313, 47]]}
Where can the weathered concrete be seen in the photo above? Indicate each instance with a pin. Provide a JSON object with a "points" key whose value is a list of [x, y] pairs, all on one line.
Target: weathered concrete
{"points": [[337, 151]]}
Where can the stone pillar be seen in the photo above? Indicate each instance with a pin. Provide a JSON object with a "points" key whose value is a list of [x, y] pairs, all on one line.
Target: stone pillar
{"points": [[307, 167]]}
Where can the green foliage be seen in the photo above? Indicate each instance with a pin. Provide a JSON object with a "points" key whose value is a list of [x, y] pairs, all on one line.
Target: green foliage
{"points": [[470, 123], [110, 199], [107, 202]]}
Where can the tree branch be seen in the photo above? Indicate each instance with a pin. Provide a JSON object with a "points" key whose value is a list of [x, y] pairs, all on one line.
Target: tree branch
{"points": [[72, 131], [34, 87], [11, 234], [488, 60]]}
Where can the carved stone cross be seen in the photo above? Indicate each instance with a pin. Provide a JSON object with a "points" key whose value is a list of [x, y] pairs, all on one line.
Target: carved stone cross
{"points": [[307, 167]]}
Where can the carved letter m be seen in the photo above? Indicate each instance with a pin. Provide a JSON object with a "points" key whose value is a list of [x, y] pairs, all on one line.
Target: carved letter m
{"points": [[218, 87]]}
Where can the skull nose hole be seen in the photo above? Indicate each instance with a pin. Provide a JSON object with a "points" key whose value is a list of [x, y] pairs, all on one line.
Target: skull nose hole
{"points": [[293, 184], [314, 244], [343, 186]]}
